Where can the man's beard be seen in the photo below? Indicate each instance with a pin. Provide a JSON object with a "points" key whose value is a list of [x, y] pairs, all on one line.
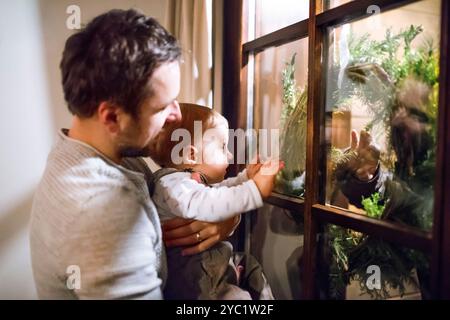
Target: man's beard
{"points": [[127, 145], [133, 152]]}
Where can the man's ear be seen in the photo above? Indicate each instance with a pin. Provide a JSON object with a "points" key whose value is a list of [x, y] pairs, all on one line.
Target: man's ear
{"points": [[109, 114], [190, 155]]}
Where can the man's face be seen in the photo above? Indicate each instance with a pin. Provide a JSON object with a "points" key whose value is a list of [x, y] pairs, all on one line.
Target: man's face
{"points": [[162, 107]]}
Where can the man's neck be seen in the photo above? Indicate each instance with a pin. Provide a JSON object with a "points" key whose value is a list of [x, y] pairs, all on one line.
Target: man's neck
{"points": [[87, 132]]}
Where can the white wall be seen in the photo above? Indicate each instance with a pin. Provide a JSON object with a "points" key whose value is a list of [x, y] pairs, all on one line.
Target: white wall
{"points": [[26, 126], [32, 36], [54, 16]]}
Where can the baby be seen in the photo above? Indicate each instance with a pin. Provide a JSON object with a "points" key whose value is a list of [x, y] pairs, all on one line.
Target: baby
{"points": [[192, 186]]}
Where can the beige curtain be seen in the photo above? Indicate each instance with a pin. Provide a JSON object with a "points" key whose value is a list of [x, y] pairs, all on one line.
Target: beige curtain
{"points": [[187, 21]]}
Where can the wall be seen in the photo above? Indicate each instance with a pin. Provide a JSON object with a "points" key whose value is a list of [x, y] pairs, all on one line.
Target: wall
{"points": [[26, 136], [32, 36]]}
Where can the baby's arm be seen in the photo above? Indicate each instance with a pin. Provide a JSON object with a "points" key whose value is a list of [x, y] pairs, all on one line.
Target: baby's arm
{"points": [[243, 176], [233, 181], [186, 198]]}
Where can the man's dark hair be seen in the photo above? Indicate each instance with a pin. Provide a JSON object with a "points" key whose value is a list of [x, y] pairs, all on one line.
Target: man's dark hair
{"points": [[112, 59]]}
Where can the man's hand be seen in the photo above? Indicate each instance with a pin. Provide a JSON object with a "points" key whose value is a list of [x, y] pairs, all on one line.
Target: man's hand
{"points": [[363, 158], [265, 177], [196, 236], [365, 72]]}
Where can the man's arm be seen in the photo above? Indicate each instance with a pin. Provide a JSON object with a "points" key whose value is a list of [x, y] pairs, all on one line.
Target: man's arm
{"points": [[182, 232]]}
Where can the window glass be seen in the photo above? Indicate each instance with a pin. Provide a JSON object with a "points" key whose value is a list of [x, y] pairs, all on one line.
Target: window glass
{"points": [[273, 15], [366, 267], [280, 99], [330, 4], [382, 84]]}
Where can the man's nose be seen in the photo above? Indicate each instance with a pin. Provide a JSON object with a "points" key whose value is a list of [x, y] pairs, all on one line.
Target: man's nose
{"points": [[175, 112]]}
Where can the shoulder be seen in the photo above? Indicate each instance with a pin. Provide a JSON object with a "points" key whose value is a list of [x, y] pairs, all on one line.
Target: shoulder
{"points": [[74, 182], [82, 173]]}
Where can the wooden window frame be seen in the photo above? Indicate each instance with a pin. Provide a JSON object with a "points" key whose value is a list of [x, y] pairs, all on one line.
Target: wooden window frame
{"points": [[236, 56]]}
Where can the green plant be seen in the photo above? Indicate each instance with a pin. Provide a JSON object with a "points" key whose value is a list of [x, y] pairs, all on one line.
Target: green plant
{"points": [[293, 133], [372, 205], [352, 253], [376, 69]]}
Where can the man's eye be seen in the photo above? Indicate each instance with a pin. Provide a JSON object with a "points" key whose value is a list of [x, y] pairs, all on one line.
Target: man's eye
{"points": [[161, 109]]}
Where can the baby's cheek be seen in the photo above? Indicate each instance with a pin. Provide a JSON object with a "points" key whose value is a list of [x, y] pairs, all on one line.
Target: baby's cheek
{"points": [[221, 161], [215, 159]]}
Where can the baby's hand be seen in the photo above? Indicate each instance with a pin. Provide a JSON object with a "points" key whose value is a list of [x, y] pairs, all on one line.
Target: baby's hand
{"points": [[265, 177], [253, 168]]}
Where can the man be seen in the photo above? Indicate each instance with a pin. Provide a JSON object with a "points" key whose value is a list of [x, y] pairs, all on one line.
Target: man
{"points": [[95, 232]]}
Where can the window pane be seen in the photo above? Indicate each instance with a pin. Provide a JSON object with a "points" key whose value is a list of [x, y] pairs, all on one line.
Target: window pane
{"points": [[382, 82], [276, 241], [366, 267], [273, 15], [280, 97], [330, 4]]}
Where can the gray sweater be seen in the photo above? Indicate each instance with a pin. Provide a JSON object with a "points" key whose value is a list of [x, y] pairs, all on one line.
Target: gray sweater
{"points": [[95, 232]]}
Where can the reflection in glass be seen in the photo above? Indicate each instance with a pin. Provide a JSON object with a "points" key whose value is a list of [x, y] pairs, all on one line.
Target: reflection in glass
{"points": [[365, 267], [276, 241], [269, 13], [382, 82], [280, 98]]}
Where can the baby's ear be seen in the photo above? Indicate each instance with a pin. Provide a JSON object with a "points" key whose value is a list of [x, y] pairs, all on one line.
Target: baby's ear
{"points": [[190, 155]]}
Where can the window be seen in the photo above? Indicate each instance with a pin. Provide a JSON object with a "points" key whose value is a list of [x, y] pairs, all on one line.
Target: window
{"points": [[372, 68], [386, 84], [279, 102]]}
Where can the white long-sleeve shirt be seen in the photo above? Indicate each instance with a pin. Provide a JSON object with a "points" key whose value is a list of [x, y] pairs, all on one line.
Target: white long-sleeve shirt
{"points": [[178, 195]]}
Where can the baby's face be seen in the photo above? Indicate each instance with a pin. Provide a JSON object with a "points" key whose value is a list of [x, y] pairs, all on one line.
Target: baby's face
{"points": [[215, 153]]}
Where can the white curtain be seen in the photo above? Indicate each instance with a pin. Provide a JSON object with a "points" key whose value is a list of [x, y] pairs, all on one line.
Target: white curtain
{"points": [[188, 21]]}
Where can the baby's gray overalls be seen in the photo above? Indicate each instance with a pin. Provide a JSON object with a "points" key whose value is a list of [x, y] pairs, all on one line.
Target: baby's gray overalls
{"points": [[213, 274]]}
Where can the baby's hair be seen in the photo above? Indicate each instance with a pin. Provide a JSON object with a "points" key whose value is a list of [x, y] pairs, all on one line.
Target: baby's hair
{"points": [[189, 114]]}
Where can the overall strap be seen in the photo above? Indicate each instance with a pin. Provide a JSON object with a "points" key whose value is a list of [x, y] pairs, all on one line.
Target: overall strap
{"points": [[202, 176], [157, 175]]}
